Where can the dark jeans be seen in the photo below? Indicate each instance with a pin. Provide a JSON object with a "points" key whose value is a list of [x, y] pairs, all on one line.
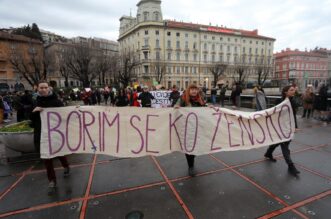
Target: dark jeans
{"points": [[50, 168], [222, 100], [190, 160], [285, 150], [304, 113]]}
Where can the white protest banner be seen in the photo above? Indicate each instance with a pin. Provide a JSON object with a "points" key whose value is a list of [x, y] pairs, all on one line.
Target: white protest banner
{"points": [[161, 98], [134, 132]]}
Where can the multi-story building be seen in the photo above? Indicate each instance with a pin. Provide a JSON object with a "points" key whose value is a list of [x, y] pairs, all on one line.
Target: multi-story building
{"points": [[108, 46], [49, 37], [327, 53], [24, 51], [301, 67], [186, 51], [56, 52]]}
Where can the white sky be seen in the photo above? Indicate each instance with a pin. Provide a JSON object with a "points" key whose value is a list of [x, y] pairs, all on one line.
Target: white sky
{"points": [[294, 23]]}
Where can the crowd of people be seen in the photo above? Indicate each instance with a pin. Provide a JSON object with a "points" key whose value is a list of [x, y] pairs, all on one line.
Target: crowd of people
{"points": [[314, 104], [28, 105]]}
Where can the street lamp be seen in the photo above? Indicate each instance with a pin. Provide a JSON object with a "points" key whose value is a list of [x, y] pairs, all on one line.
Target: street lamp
{"points": [[206, 79]]}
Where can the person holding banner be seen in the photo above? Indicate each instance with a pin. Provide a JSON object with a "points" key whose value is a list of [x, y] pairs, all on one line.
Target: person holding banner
{"points": [[45, 99], [190, 98], [287, 92]]}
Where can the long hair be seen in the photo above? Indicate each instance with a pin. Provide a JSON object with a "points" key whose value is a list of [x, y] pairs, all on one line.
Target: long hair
{"points": [[186, 95], [285, 90]]}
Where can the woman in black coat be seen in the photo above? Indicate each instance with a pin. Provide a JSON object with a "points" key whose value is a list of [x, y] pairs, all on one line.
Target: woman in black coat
{"points": [[46, 98], [287, 92], [190, 98]]}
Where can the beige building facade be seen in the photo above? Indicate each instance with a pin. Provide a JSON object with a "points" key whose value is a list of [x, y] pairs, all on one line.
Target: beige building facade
{"points": [[185, 51]]}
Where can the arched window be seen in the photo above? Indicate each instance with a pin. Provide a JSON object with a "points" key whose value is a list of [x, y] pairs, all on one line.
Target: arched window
{"points": [[156, 15]]}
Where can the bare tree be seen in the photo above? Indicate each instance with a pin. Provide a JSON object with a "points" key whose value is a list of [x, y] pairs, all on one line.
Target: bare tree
{"points": [[240, 71], [263, 71], [32, 67], [81, 64], [103, 67], [127, 63], [160, 70], [217, 71]]}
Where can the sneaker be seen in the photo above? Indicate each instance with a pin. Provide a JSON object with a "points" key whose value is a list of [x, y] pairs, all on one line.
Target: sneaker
{"points": [[270, 157], [191, 171], [66, 172], [293, 170]]}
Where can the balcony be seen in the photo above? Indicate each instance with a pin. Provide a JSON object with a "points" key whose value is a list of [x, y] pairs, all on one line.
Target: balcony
{"points": [[146, 47]]}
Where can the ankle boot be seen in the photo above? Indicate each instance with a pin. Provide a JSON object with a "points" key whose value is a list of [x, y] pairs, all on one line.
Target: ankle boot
{"points": [[293, 170], [270, 157]]}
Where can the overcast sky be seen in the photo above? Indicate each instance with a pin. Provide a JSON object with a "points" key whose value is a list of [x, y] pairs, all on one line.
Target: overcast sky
{"points": [[294, 23]]}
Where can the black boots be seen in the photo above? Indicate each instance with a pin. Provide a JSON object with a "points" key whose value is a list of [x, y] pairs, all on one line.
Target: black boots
{"points": [[191, 171], [270, 157], [293, 170]]}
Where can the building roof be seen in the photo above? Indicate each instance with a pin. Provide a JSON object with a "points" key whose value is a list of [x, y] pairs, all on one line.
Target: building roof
{"points": [[143, 1], [20, 38], [224, 30], [296, 52]]}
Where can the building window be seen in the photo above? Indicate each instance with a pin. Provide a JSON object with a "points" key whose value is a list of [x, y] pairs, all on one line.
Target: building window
{"points": [[169, 44], [221, 47], [156, 16], [178, 69], [146, 69], [262, 51], [205, 58], [146, 41], [169, 56], [229, 49], [186, 45], [235, 49], [229, 39], [205, 46], [178, 56], [250, 50], [157, 32], [213, 58], [157, 43], [256, 51], [146, 32], [257, 42], [146, 55], [244, 49], [194, 70], [205, 37], [169, 33], [194, 45], [221, 58], [186, 69], [178, 34], [235, 40], [158, 55], [186, 35], [186, 56], [178, 44], [195, 36], [145, 16], [169, 70], [213, 47], [221, 38], [195, 57], [213, 38]]}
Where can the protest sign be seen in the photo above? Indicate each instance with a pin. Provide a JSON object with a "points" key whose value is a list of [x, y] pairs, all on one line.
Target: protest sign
{"points": [[135, 132]]}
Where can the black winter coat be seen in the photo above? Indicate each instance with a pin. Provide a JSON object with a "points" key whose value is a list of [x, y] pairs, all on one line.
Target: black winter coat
{"points": [[44, 102]]}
